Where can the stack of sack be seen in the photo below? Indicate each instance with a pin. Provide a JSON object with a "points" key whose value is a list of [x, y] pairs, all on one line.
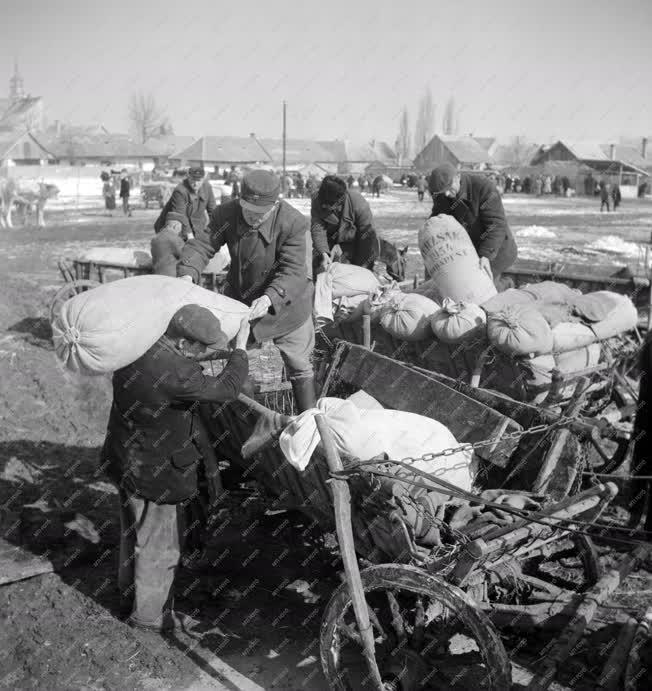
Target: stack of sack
{"points": [[340, 290], [104, 329], [550, 325]]}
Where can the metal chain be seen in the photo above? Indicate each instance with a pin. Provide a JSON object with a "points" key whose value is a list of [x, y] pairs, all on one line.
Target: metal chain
{"points": [[536, 429]]}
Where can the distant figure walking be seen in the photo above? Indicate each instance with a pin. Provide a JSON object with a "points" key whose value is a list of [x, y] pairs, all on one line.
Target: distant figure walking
{"points": [[125, 191], [377, 186], [547, 185], [422, 183], [616, 197], [604, 195], [108, 192], [538, 185]]}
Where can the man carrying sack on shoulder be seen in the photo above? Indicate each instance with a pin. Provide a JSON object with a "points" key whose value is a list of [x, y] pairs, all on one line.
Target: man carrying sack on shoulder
{"points": [[155, 450], [268, 242]]}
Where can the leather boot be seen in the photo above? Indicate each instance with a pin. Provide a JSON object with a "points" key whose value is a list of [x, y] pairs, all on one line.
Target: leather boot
{"points": [[304, 393]]}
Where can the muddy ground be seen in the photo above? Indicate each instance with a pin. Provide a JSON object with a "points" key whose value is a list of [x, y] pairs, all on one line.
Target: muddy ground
{"points": [[62, 630]]}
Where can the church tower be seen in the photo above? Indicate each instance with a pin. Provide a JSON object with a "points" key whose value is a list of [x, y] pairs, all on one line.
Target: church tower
{"points": [[16, 88]]}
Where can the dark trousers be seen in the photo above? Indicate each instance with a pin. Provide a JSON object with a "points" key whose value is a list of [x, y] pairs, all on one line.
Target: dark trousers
{"points": [[420, 195], [602, 204], [125, 206]]}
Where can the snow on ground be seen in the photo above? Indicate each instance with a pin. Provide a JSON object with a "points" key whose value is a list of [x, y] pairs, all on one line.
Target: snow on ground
{"points": [[548, 228], [535, 232], [616, 245]]}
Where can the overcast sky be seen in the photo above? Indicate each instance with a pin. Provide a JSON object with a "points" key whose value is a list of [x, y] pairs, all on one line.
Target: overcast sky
{"points": [[578, 68]]}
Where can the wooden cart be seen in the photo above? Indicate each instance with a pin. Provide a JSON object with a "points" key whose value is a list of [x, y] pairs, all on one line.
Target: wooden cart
{"points": [[80, 275], [418, 616]]}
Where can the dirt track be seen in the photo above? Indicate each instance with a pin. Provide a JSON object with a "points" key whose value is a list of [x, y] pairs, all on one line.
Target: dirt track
{"points": [[61, 631]]}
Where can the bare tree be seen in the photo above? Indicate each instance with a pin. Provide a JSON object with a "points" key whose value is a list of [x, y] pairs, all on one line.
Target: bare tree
{"points": [[403, 141], [450, 122], [425, 121], [147, 118], [518, 151]]}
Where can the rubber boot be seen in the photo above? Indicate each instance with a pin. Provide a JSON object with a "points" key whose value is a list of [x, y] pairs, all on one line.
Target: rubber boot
{"points": [[304, 393]]}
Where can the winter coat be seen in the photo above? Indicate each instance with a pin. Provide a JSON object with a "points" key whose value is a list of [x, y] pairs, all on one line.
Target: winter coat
{"points": [[125, 188], [154, 439], [196, 207], [478, 207], [352, 229], [269, 261]]}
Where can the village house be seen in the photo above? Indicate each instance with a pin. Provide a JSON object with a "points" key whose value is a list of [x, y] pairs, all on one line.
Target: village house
{"points": [[463, 152], [615, 163]]}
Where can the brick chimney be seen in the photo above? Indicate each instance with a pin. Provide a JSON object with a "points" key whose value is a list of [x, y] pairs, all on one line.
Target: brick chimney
{"points": [[612, 152], [644, 147]]}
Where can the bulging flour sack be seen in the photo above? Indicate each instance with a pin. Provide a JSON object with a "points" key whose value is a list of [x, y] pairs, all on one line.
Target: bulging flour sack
{"points": [[108, 327], [452, 262]]}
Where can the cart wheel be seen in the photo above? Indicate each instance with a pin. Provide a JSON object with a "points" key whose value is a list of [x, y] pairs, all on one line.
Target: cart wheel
{"points": [[570, 563], [428, 634], [68, 291]]}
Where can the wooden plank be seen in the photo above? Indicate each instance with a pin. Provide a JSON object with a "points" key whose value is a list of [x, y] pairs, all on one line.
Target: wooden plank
{"points": [[399, 387], [17, 564]]}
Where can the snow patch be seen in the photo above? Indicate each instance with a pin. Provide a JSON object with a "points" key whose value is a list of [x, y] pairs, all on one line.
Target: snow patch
{"points": [[535, 232], [615, 245]]}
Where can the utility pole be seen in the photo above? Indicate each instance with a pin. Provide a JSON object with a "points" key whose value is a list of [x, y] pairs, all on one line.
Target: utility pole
{"points": [[284, 133]]}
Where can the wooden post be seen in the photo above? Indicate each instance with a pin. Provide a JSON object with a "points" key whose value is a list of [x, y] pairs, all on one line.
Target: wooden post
{"points": [[615, 665], [284, 138], [366, 330], [342, 508], [559, 439]]}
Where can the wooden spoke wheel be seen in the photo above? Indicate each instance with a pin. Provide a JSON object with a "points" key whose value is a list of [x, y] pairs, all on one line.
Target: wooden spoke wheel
{"points": [[428, 635], [68, 291], [568, 563]]}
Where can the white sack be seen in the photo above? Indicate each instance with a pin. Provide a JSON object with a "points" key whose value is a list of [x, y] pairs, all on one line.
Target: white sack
{"points": [[519, 330], [406, 316], [108, 327], [452, 262], [458, 321], [570, 336], [365, 434]]}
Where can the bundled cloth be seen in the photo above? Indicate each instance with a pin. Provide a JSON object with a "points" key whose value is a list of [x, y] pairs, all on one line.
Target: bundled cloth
{"points": [[519, 330], [452, 262], [347, 284], [368, 432], [405, 316], [104, 329], [458, 321], [540, 369]]}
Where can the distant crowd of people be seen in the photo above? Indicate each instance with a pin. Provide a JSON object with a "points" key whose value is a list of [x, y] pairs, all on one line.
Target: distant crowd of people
{"points": [[123, 183]]}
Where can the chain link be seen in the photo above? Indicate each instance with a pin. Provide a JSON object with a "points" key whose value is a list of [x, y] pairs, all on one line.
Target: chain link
{"points": [[511, 436]]}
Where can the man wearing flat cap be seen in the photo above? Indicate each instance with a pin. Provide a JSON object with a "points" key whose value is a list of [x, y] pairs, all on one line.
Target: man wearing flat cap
{"points": [[193, 200], [156, 447], [475, 203], [342, 226], [270, 270]]}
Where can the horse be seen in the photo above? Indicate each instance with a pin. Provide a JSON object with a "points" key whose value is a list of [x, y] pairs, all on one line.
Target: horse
{"points": [[395, 259], [27, 197]]}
